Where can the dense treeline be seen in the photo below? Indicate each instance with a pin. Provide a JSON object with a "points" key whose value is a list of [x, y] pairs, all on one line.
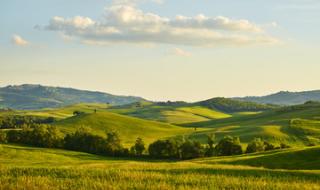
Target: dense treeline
{"points": [[230, 105], [18, 121], [110, 145]]}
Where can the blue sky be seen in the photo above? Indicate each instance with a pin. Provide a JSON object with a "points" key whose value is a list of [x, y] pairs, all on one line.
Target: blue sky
{"points": [[162, 50]]}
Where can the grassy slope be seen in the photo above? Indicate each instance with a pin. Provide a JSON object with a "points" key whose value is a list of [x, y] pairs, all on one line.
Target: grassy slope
{"points": [[36, 168], [171, 113], [298, 126], [129, 128], [293, 159]]}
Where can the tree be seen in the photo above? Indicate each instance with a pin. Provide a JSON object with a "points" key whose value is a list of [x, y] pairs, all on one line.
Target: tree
{"points": [[257, 145], [210, 149], [139, 147], [191, 149], [3, 137], [113, 143], [268, 146], [164, 149], [229, 146]]}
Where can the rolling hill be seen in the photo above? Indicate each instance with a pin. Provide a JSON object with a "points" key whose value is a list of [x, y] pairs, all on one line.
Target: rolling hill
{"points": [[285, 98], [182, 112], [37, 97], [293, 159], [295, 125], [129, 128]]}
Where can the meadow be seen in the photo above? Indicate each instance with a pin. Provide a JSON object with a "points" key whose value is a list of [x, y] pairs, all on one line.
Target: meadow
{"points": [[25, 167], [35, 168]]}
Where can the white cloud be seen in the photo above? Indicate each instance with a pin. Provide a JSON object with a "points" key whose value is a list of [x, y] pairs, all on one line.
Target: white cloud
{"points": [[181, 52], [19, 41], [123, 22]]}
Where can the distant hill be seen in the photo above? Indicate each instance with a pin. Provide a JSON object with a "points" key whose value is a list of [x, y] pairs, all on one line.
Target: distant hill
{"points": [[182, 112], [36, 97], [285, 98], [230, 105]]}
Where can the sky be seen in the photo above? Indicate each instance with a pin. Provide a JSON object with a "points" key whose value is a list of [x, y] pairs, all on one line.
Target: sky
{"points": [[162, 49]]}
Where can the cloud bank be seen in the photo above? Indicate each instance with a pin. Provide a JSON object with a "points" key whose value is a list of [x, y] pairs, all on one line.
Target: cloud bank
{"points": [[125, 23]]}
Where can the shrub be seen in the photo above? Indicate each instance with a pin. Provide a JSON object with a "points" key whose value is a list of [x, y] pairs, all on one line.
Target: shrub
{"points": [[3, 137], [257, 145], [191, 149], [164, 149], [229, 146], [138, 148]]}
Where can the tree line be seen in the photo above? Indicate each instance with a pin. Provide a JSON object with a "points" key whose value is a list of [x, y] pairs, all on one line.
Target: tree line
{"points": [[18, 121], [110, 145]]}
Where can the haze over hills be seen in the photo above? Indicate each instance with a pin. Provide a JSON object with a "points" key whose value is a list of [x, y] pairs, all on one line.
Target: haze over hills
{"points": [[29, 96], [284, 98]]}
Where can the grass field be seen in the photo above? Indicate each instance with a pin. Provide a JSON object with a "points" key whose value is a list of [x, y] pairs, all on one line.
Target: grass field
{"points": [[129, 128], [175, 114], [34, 168], [296, 126]]}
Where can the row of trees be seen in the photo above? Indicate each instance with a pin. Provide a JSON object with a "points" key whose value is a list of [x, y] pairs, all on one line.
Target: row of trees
{"points": [[81, 140], [17, 121], [110, 145]]}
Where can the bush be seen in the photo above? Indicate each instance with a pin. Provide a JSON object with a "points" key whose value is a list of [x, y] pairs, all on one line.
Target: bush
{"points": [[283, 146], [229, 146], [257, 145], [138, 148], [3, 137], [191, 149], [268, 146], [164, 149]]}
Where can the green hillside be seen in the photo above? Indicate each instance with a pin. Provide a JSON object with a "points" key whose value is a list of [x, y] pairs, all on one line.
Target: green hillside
{"points": [[294, 159], [175, 114], [36, 97], [285, 98], [129, 128], [295, 125], [38, 168]]}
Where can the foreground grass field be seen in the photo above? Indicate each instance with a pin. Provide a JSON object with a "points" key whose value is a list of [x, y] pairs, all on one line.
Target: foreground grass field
{"points": [[34, 168]]}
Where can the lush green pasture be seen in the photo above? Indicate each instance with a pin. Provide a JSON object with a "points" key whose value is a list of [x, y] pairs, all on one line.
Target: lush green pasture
{"points": [[35, 168], [129, 128], [295, 159], [297, 126], [171, 114]]}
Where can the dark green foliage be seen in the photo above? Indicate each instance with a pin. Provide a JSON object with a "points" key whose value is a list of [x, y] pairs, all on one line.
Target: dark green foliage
{"points": [[191, 149], [3, 137], [210, 148], [17, 121], [231, 105], [257, 145], [41, 136], [268, 146], [77, 113], [139, 147], [164, 149], [283, 146], [229, 146], [83, 140]]}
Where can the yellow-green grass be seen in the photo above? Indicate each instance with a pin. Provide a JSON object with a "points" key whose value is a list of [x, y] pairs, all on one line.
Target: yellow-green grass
{"points": [[296, 126], [129, 128], [59, 113], [171, 114], [294, 159], [35, 168]]}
